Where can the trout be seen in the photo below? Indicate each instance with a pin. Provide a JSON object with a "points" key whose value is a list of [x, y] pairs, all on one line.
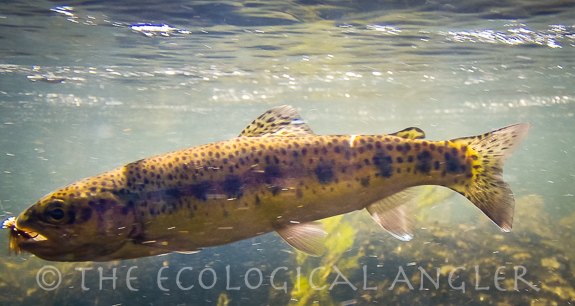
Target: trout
{"points": [[277, 175]]}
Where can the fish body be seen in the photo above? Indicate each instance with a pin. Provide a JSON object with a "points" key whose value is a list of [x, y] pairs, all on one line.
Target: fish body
{"points": [[276, 176]]}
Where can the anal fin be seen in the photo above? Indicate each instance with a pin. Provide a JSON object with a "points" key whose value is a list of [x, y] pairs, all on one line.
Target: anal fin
{"points": [[307, 237], [396, 213]]}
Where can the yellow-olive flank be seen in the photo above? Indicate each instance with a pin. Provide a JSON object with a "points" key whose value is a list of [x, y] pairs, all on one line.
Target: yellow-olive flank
{"points": [[275, 176]]}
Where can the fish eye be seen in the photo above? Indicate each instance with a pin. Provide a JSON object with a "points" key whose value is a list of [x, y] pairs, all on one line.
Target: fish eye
{"points": [[54, 212], [57, 214]]}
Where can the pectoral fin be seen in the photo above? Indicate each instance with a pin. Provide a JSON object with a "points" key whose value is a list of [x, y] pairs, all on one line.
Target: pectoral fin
{"points": [[396, 213], [306, 237]]}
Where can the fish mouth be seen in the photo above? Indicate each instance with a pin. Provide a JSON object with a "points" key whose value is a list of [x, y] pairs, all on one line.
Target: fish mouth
{"points": [[28, 237], [23, 239], [27, 241]]}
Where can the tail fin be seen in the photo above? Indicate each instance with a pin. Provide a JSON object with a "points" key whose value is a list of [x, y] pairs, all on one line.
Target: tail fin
{"points": [[486, 188]]}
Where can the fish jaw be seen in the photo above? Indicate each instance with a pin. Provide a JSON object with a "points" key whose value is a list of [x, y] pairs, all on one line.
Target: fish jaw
{"points": [[18, 236], [80, 232], [63, 244], [26, 236]]}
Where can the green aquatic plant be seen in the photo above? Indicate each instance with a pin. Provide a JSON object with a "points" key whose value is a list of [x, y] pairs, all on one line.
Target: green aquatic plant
{"points": [[223, 300], [338, 250]]}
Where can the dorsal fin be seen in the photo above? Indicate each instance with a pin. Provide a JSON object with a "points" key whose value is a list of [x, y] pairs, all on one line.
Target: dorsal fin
{"points": [[278, 121], [410, 133]]}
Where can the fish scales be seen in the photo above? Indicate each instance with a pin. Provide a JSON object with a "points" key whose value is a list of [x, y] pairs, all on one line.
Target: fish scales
{"points": [[190, 187], [227, 191]]}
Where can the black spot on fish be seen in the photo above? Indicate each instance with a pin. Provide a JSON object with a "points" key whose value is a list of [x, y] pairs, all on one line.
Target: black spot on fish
{"points": [[257, 200], [384, 163], [174, 193], [299, 193], [232, 186], [275, 190], [324, 174], [365, 181], [424, 162], [199, 191], [436, 165], [271, 172], [347, 155], [452, 163]]}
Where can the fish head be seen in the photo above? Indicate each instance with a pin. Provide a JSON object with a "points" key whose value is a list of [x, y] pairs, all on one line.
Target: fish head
{"points": [[82, 227]]}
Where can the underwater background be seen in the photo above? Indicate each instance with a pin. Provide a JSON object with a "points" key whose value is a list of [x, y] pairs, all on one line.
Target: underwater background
{"points": [[87, 86]]}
